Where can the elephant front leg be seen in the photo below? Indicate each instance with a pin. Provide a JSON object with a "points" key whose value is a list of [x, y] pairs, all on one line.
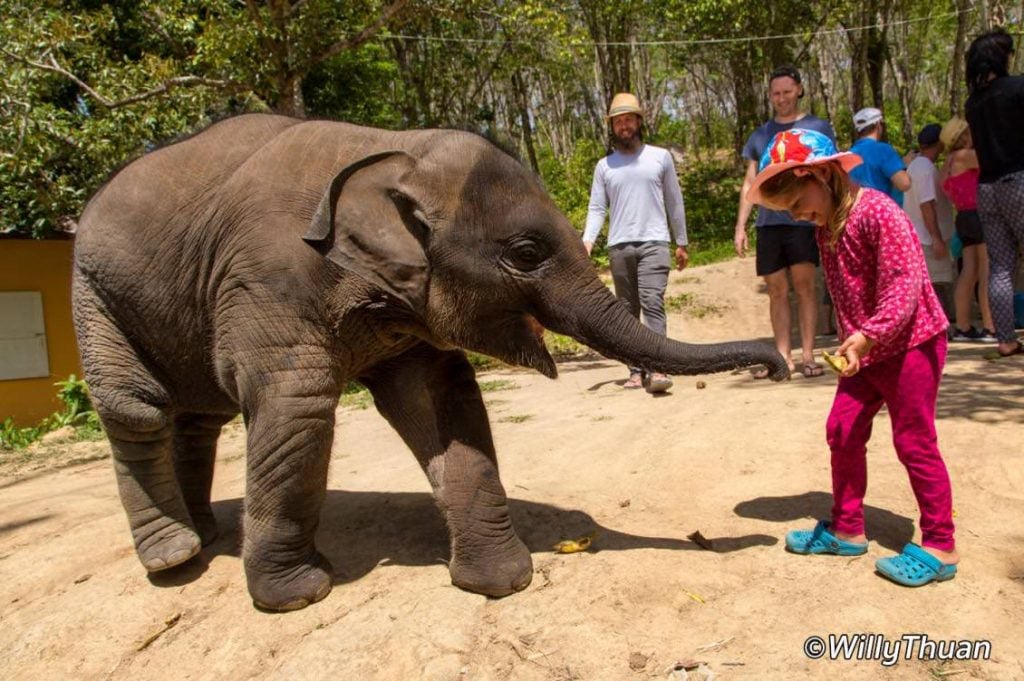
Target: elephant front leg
{"points": [[289, 442], [431, 398]]}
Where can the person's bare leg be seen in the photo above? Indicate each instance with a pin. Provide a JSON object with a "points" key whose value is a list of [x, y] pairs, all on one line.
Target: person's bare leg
{"points": [[807, 307], [778, 308], [986, 309], [964, 293]]}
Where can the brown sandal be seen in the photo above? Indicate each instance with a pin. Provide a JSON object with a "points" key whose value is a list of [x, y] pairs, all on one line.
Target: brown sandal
{"points": [[812, 369]]}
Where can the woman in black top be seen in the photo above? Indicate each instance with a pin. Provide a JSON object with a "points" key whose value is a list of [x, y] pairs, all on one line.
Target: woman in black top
{"points": [[995, 107]]}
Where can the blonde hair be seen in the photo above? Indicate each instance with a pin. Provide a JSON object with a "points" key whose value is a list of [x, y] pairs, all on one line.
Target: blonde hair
{"points": [[784, 187]]}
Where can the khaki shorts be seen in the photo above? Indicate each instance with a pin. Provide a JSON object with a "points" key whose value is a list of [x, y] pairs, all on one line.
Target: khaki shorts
{"points": [[940, 271]]}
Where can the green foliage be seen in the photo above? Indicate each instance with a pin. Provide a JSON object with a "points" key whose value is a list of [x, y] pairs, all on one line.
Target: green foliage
{"points": [[87, 86], [711, 190], [482, 362], [13, 437], [689, 303], [568, 181], [357, 400], [562, 347], [77, 413], [497, 385]]}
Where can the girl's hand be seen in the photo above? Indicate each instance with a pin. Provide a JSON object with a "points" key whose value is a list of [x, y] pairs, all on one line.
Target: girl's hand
{"points": [[853, 348]]}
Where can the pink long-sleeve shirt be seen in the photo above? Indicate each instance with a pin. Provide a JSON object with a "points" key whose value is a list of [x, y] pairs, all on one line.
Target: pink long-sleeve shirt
{"points": [[878, 279]]}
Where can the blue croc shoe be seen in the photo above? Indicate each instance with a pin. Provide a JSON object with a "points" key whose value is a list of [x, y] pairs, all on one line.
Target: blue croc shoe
{"points": [[820, 540], [915, 567]]}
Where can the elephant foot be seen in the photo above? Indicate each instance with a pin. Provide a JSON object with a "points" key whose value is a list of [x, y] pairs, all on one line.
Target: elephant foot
{"points": [[495, 573], [291, 588], [206, 525], [167, 548]]}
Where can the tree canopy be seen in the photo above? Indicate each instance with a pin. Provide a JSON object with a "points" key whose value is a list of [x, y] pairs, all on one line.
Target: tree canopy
{"points": [[86, 85]]}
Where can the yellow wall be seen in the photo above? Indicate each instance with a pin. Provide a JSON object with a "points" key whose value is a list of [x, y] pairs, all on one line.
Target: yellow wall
{"points": [[45, 266]]}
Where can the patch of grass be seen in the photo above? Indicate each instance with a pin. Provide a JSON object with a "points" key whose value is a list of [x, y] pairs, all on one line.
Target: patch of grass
{"points": [[77, 413], [355, 396], [603, 417], [17, 437], [496, 385], [678, 303], [359, 401], [702, 310], [516, 418], [714, 251], [89, 434], [483, 362], [564, 346], [687, 302]]}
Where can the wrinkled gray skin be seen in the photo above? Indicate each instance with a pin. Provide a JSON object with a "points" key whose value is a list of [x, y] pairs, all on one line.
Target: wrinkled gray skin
{"points": [[264, 263]]}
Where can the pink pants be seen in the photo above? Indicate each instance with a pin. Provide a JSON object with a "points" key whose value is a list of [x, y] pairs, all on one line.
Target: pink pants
{"points": [[908, 385]]}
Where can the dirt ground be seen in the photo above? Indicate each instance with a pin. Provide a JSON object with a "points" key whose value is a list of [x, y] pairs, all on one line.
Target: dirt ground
{"points": [[741, 461]]}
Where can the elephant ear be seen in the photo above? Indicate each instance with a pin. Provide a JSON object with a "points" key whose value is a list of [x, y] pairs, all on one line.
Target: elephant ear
{"points": [[366, 224]]}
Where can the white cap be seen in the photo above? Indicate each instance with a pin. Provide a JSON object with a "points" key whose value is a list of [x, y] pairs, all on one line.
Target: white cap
{"points": [[865, 118]]}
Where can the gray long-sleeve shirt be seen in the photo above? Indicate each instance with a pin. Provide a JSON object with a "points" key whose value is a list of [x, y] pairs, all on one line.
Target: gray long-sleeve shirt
{"points": [[644, 194]]}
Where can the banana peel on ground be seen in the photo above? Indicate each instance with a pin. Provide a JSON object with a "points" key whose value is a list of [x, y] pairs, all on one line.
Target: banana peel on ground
{"points": [[575, 545]]}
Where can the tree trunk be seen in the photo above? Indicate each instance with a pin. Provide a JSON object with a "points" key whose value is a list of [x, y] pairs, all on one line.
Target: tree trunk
{"points": [[743, 79], [524, 116], [957, 70]]}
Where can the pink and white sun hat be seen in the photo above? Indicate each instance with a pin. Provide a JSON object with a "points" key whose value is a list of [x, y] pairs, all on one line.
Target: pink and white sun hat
{"points": [[797, 147]]}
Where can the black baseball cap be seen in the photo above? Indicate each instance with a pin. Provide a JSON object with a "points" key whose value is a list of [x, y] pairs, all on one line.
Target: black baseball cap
{"points": [[929, 135], [785, 71]]}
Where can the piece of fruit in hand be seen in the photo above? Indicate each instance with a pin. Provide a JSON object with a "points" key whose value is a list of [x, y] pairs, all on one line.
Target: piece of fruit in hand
{"points": [[837, 362]]}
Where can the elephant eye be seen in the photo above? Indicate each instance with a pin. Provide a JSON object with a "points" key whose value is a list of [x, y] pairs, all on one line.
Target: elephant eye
{"points": [[525, 254]]}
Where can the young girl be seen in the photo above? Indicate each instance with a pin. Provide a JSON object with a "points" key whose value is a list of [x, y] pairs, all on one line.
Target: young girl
{"points": [[893, 333]]}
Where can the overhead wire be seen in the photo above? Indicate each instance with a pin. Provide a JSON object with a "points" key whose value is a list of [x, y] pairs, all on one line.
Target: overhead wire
{"points": [[682, 42]]}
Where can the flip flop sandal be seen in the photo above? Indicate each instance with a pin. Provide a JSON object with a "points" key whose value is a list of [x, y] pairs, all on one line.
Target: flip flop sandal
{"points": [[995, 354], [634, 383], [820, 540], [812, 369], [658, 384], [915, 567]]}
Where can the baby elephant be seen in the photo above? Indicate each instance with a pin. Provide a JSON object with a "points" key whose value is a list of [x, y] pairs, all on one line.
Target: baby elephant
{"points": [[261, 265]]}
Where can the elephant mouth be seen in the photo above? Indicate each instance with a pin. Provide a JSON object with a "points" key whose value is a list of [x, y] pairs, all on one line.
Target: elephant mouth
{"points": [[532, 352], [536, 327]]}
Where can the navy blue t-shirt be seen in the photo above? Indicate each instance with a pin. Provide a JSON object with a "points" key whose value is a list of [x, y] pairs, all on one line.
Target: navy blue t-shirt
{"points": [[758, 142], [881, 162]]}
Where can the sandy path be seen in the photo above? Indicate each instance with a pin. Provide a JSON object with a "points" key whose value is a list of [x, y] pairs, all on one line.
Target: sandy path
{"points": [[741, 461]]}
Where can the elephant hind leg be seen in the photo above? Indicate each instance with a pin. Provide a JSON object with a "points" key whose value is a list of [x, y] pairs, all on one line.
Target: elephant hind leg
{"points": [[195, 448], [131, 404], [160, 523]]}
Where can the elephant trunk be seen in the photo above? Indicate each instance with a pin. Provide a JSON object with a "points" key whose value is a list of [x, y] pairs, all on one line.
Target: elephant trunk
{"points": [[593, 315]]}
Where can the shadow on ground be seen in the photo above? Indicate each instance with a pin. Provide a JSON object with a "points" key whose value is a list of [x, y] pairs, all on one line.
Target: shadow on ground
{"points": [[889, 529], [361, 530]]}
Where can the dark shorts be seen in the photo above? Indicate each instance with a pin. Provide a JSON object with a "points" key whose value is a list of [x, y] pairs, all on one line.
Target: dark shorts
{"points": [[780, 246], [968, 228]]}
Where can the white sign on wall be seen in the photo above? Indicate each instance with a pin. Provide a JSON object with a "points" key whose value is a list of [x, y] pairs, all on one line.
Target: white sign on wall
{"points": [[22, 336]]}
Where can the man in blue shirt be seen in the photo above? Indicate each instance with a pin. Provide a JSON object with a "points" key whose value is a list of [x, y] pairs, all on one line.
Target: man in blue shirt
{"points": [[783, 244], [883, 168]]}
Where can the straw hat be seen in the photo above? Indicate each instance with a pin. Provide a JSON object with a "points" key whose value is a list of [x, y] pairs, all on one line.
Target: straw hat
{"points": [[624, 103], [797, 147], [952, 131]]}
